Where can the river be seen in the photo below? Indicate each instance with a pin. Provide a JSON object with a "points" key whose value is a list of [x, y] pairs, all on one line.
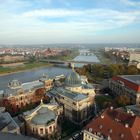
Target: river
{"points": [[87, 56], [32, 75], [52, 71]]}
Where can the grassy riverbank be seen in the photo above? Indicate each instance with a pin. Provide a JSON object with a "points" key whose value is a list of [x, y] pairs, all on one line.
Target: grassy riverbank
{"points": [[24, 67], [103, 58], [34, 64], [72, 54]]}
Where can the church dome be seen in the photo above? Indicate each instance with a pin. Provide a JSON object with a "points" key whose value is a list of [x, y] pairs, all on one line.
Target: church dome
{"points": [[14, 84], [73, 79], [43, 117]]}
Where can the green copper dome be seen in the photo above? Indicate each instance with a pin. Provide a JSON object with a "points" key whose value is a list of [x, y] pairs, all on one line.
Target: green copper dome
{"points": [[73, 79]]}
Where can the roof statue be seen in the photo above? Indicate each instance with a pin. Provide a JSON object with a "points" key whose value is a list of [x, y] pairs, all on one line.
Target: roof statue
{"points": [[72, 65], [41, 102]]}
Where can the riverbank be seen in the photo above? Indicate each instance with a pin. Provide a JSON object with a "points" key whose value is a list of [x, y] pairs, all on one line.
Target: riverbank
{"points": [[23, 68], [102, 57], [69, 56]]}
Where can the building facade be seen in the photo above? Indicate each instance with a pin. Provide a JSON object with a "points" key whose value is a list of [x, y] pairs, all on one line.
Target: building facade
{"points": [[18, 95], [126, 85], [47, 82]]}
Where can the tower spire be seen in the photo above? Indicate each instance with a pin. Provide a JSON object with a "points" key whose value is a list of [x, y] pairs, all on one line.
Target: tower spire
{"points": [[72, 66]]}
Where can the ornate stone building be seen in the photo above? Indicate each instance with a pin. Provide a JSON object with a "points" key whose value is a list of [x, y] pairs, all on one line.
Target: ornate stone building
{"points": [[41, 122], [47, 81], [18, 95], [77, 99]]}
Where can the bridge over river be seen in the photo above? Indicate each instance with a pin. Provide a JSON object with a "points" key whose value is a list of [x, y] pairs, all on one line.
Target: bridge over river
{"points": [[68, 61]]}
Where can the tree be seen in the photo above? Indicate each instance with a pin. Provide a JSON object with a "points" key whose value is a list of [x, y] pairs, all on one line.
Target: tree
{"points": [[132, 70], [122, 100], [32, 59]]}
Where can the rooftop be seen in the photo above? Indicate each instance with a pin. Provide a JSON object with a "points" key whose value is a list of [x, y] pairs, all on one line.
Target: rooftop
{"points": [[32, 85], [129, 81], [134, 107], [116, 124], [7, 121], [26, 87], [43, 115], [7, 136], [71, 95], [133, 78]]}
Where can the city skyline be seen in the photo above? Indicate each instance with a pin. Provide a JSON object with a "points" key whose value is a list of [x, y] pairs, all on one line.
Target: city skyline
{"points": [[65, 21]]}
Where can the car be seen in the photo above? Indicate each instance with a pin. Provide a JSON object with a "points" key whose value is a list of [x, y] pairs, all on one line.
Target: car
{"points": [[75, 136]]}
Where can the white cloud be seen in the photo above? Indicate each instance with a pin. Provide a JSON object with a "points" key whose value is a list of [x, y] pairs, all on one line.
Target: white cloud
{"points": [[53, 13], [131, 3], [76, 24], [103, 17]]}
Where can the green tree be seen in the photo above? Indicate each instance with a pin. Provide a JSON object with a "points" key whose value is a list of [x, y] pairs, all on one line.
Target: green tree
{"points": [[122, 100], [32, 59], [132, 70]]}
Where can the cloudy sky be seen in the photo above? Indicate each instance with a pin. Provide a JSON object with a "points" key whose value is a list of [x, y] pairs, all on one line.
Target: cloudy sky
{"points": [[69, 21]]}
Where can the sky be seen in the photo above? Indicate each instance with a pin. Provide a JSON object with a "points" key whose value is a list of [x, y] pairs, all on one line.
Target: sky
{"points": [[69, 21]]}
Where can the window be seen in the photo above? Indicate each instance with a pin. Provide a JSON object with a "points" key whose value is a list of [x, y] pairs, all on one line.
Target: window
{"points": [[54, 127], [138, 131], [74, 103], [50, 128], [41, 130], [110, 130], [101, 126], [122, 136]]}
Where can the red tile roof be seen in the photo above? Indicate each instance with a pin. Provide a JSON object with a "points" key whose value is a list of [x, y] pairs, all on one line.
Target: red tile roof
{"points": [[120, 123]]}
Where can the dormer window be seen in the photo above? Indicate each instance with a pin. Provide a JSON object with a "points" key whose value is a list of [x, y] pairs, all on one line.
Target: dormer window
{"points": [[101, 126], [110, 130], [90, 129], [122, 135], [102, 116], [138, 131]]}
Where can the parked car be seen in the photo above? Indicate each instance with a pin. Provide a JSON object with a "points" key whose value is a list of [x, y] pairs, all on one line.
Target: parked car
{"points": [[76, 135]]}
